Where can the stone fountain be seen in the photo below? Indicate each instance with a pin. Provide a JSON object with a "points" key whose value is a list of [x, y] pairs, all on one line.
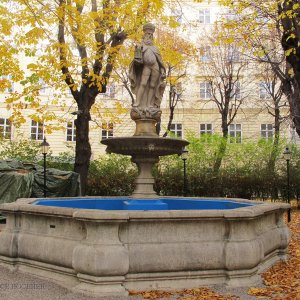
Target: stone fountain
{"points": [[111, 245], [147, 77]]}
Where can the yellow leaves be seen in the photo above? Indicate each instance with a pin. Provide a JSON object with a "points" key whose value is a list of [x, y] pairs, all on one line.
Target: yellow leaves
{"points": [[296, 6], [291, 36], [291, 72], [34, 35], [257, 291], [202, 293], [290, 51]]}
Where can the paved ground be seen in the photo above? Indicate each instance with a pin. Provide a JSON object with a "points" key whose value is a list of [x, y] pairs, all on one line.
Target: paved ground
{"points": [[15, 285]]}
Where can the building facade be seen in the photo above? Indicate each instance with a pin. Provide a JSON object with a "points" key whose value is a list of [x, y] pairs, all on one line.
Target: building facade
{"points": [[196, 111]]}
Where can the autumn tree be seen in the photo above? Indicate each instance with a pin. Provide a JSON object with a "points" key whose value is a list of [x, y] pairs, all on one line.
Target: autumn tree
{"points": [[283, 17], [223, 83], [276, 104], [78, 43]]}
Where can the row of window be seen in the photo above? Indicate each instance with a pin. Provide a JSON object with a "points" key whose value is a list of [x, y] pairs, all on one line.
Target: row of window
{"points": [[232, 55], [264, 91], [107, 130], [205, 15], [234, 131], [37, 130]]}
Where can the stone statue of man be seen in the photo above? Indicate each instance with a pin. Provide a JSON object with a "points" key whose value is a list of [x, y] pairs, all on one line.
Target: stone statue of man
{"points": [[147, 75]]}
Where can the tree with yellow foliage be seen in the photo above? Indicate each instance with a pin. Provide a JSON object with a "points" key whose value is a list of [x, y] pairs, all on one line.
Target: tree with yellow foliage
{"points": [[75, 42], [258, 16]]}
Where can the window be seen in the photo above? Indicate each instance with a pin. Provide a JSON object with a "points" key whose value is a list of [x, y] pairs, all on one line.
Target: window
{"points": [[205, 90], [110, 90], [176, 129], [235, 133], [43, 87], [205, 54], [266, 131], [71, 132], [37, 130], [204, 16], [264, 90], [236, 91], [8, 83], [107, 130], [231, 15], [233, 54], [205, 129], [5, 129], [177, 14]]}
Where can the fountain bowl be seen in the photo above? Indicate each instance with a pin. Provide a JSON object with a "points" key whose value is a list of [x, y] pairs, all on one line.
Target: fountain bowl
{"points": [[109, 252]]}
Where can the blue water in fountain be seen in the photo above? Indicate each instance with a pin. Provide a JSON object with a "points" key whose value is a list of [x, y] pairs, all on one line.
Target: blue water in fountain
{"points": [[141, 204]]}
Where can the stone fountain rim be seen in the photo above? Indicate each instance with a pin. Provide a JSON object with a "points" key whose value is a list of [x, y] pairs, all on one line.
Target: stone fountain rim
{"points": [[25, 206]]}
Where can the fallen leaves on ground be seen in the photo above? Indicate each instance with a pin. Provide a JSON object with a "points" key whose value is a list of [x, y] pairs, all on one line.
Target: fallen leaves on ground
{"points": [[283, 279], [185, 294]]}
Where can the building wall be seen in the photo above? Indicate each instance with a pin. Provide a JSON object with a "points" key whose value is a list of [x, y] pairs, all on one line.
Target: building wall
{"points": [[191, 111]]}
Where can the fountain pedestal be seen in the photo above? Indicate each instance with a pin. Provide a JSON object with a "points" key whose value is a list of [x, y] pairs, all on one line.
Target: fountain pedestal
{"points": [[145, 147], [145, 180]]}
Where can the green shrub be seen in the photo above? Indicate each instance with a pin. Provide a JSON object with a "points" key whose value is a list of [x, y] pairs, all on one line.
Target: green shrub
{"points": [[21, 150], [111, 175], [64, 161]]}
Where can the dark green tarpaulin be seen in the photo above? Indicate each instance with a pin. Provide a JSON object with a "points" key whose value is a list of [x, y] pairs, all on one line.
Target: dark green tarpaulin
{"points": [[21, 180]]}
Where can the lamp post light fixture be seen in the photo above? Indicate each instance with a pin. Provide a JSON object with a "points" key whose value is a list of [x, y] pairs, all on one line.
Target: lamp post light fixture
{"points": [[184, 156], [44, 150], [287, 156]]}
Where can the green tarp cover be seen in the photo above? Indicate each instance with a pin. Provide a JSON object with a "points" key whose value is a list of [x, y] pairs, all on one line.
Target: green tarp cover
{"points": [[21, 180]]}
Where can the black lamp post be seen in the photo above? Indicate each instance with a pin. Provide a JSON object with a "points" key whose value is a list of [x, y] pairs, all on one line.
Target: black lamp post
{"points": [[44, 150], [287, 156], [184, 156]]}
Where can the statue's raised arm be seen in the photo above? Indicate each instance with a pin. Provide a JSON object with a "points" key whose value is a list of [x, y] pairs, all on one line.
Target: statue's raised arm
{"points": [[147, 76]]}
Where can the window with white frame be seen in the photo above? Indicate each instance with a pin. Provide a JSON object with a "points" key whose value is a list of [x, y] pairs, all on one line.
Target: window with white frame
{"points": [[107, 130], [36, 130], [177, 14], [204, 16], [233, 54], [10, 83], [71, 132], [5, 128], [231, 15], [264, 90], [205, 90], [266, 131], [176, 129], [205, 54], [236, 91], [205, 129], [110, 90], [235, 133], [43, 87]]}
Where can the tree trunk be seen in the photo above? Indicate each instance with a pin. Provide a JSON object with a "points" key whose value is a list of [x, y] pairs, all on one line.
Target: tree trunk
{"points": [[274, 152], [222, 146], [83, 148], [291, 89], [273, 156], [290, 43]]}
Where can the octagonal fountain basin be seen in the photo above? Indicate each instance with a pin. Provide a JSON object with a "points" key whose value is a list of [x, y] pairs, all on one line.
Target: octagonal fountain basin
{"points": [[144, 204], [107, 246]]}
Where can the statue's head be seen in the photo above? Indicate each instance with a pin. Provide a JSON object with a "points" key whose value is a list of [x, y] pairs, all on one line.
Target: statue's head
{"points": [[149, 28]]}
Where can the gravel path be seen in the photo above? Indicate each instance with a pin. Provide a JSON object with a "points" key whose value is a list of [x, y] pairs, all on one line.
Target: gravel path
{"points": [[16, 285]]}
